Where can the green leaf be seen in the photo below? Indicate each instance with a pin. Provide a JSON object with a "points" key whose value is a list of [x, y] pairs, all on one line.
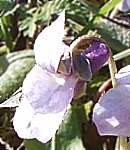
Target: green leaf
{"points": [[5, 32], [42, 14], [69, 133], [105, 9], [20, 64], [31, 29], [3, 61], [13, 101], [117, 37], [35, 145], [5, 6], [14, 9], [108, 6]]}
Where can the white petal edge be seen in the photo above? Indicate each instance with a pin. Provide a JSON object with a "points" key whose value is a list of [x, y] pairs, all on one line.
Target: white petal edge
{"points": [[28, 124], [123, 75], [48, 46], [124, 69]]}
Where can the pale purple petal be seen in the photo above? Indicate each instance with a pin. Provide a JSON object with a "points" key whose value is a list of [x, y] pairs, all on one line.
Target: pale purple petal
{"points": [[48, 92], [112, 113], [46, 97], [124, 5], [123, 76], [49, 46], [48, 88], [30, 124]]}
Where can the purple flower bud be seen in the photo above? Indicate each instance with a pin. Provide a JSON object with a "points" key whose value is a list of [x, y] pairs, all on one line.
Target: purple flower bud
{"points": [[97, 53], [89, 55]]}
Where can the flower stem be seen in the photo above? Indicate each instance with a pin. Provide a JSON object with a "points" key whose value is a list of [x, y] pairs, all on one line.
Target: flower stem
{"points": [[105, 146], [112, 69], [53, 143], [121, 141]]}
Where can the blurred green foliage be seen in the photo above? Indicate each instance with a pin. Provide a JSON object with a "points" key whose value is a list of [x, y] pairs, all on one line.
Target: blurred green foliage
{"points": [[20, 23]]}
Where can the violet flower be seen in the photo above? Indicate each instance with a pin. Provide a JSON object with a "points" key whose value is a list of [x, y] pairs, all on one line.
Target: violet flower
{"points": [[51, 84], [46, 93], [112, 113]]}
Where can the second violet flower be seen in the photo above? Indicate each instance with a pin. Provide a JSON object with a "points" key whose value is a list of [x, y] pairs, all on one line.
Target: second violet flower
{"points": [[111, 113]]}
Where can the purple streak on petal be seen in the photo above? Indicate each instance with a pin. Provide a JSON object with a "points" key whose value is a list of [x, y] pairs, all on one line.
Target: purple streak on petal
{"points": [[112, 113], [97, 53]]}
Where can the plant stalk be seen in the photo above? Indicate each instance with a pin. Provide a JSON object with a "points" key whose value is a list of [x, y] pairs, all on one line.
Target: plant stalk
{"points": [[53, 143], [112, 69]]}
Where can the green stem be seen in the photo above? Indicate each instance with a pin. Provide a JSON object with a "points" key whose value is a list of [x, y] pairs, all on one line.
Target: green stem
{"points": [[112, 69], [53, 143], [105, 146]]}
